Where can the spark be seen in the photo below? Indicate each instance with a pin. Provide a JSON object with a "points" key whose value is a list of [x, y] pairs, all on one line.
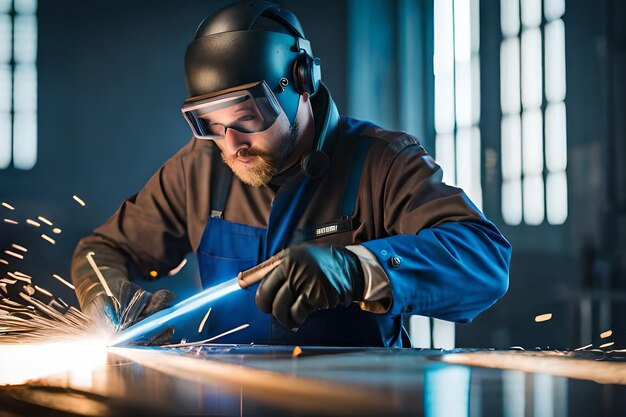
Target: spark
{"points": [[543, 317], [43, 291], [56, 230], [19, 278], [607, 345], [16, 255], [606, 334], [4, 261], [583, 347], [18, 247], [63, 281], [48, 238], [32, 222], [46, 221], [78, 200], [297, 351], [103, 281], [206, 316], [202, 342], [7, 205], [10, 221], [21, 274]]}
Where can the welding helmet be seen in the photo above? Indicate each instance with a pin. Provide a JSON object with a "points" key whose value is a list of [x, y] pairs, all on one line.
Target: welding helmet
{"points": [[253, 55]]}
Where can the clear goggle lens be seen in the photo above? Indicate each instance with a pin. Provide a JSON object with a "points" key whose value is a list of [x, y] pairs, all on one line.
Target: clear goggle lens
{"points": [[249, 108]]}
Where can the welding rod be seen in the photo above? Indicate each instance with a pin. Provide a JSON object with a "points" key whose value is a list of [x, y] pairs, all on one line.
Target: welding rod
{"points": [[243, 280]]}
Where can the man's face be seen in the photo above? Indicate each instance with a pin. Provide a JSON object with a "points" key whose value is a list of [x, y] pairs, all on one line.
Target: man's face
{"points": [[254, 157]]}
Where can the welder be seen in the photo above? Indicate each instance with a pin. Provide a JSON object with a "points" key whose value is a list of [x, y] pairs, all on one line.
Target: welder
{"points": [[371, 232]]}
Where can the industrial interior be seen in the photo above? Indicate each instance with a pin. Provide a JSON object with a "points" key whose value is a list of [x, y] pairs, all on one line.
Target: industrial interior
{"points": [[521, 102]]}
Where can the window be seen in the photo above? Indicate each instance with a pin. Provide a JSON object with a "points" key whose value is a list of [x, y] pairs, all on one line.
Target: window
{"points": [[18, 84], [456, 65], [533, 126]]}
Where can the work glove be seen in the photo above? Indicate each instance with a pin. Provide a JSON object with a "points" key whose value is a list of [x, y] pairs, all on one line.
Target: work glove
{"points": [[310, 277]]}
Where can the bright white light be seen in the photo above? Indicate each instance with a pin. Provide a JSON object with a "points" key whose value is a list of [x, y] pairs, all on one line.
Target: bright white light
{"points": [[555, 61], [556, 197], [533, 200], [531, 69], [468, 163], [444, 154], [443, 59], [512, 201], [443, 334], [556, 137], [25, 139], [509, 17], [444, 103], [463, 93], [462, 32], [510, 76], [531, 13], [553, 9], [25, 88], [475, 25], [532, 142], [25, 362], [511, 147], [419, 327], [5, 39], [25, 41]]}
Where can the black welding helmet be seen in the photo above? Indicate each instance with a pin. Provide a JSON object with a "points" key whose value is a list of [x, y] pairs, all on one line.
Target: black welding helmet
{"points": [[252, 54]]}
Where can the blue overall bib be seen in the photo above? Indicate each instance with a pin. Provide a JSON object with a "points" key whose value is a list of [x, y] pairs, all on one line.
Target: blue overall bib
{"points": [[227, 248]]}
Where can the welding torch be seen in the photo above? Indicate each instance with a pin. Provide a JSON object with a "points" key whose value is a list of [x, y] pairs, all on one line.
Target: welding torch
{"points": [[243, 280]]}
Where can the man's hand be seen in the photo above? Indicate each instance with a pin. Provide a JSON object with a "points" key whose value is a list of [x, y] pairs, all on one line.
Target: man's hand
{"points": [[309, 278]]}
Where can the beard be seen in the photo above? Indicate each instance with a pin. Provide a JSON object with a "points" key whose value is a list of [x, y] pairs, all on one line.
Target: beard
{"points": [[263, 165]]}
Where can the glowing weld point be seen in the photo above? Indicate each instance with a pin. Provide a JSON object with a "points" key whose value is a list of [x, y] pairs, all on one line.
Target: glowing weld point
{"points": [[206, 316], [7, 205], [48, 238], [9, 221], [46, 221], [18, 247], [32, 222], [78, 200], [16, 255], [607, 345], [63, 281], [606, 334], [543, 317]]}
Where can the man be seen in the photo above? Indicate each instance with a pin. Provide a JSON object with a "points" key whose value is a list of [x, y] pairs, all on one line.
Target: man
{"points": [[372, 233]]}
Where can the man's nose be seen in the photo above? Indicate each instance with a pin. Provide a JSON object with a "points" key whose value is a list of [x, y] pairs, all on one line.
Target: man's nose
{"points": [[234, 141]]}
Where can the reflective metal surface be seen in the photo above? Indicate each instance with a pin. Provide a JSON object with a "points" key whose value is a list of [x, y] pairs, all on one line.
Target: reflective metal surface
{"points": [[225, 380]]}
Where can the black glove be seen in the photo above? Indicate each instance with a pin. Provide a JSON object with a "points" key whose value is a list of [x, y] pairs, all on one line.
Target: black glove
{"points": [[309, 278]]}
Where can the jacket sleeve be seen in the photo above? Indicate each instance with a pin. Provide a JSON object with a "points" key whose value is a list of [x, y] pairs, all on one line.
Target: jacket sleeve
{"points": [[443, 258]]}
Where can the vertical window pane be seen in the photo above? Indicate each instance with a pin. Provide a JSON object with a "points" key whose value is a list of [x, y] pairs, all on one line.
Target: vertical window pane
{"points": [[26, 6], [468, 163], [509, 17], [512, 201], [556, 137], [5, 139], [443, 59], [5, 6], [463, 93], [555, 60], [5, 39], [25, 28], [511, 147], [533, 200], [444, 103], [531, 13], [553, 9], [25, 88], [532, 142], [510, 76], [531, 69], [556, 197], [5, 88], [462, 33], [475, 25], [25, 140], [444, 152], [475, 91]]}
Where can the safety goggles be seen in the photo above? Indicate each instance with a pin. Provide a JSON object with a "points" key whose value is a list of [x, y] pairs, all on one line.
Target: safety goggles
{"points": [[249, 108]]}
